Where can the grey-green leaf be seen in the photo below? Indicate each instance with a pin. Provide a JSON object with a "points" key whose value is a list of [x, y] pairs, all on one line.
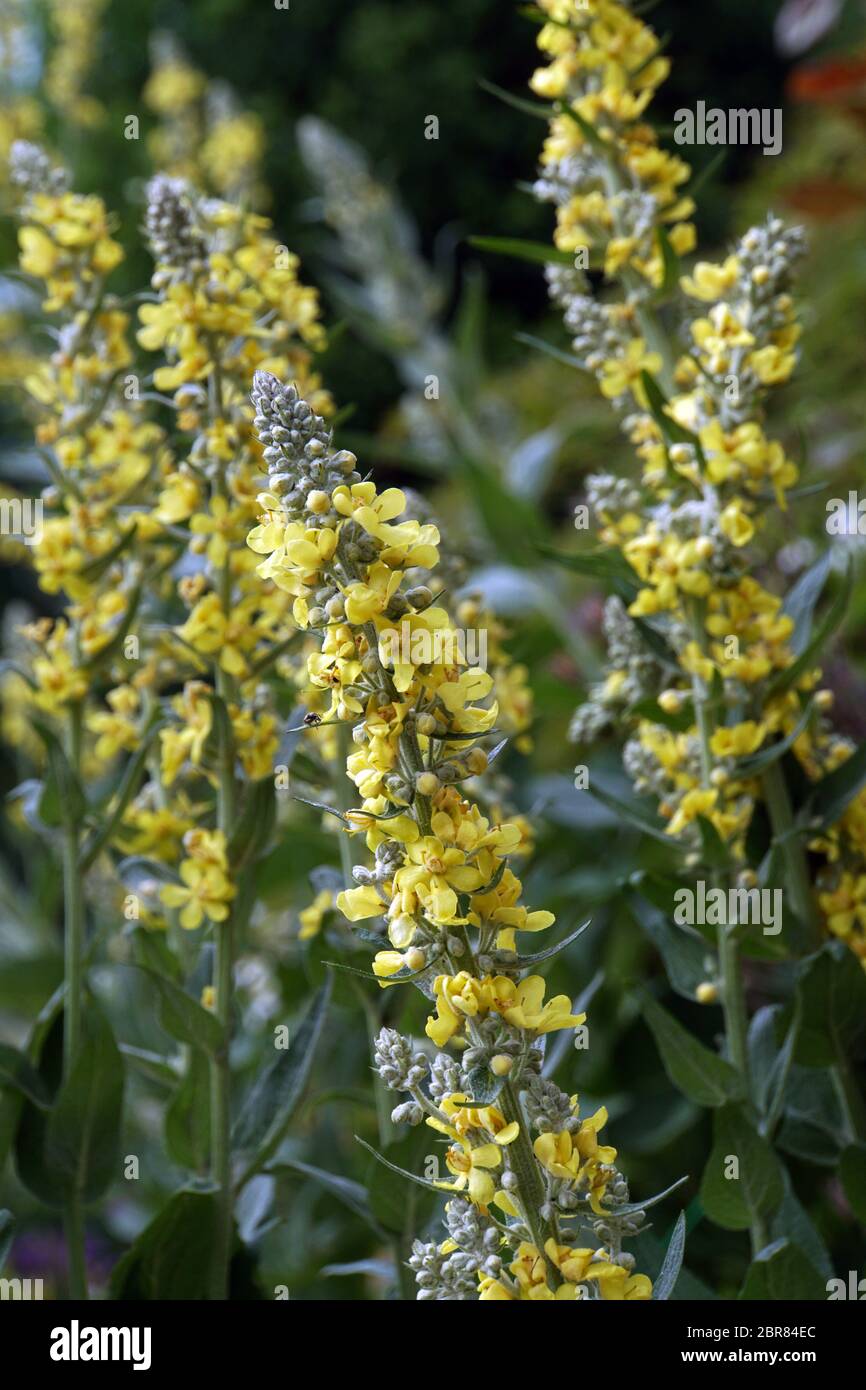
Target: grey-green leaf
{"points": [[696, 1071], [734, 1197], [669, 1272], [275, 1093], [82, 1134]]}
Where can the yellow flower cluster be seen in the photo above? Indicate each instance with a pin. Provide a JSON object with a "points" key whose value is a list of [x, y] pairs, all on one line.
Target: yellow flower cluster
{"points": [[710, 473], [102, 451], [441, 889], [531, 1274], [135, 530]]}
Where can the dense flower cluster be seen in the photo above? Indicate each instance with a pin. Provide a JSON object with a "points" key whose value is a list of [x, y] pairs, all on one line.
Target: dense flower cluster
{"points": [[444, 899], [128, 507], [721, 679], [101, 448]]}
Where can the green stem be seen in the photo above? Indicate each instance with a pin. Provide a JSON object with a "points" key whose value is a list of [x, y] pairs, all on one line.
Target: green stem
{"points": [[220, 1067], [531, 1193], [221, 1114], [73, 1225], [73, 947], [730, 976]]}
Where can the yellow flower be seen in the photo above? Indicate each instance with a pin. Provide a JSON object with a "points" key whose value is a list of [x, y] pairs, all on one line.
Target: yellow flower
{"points": [[470, 1167], [204, 892], [621, 374], [739, 740], [736, 524], [694, 803], [710, 282], [311, 917], [521, 1004]]}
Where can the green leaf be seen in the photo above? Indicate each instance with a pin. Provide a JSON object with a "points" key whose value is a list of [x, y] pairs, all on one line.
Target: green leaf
{"points": [[183, 1017], [7, 1228], [254, 825], [94, 569], [665, 1284], [791, 1222], [714, 851], [770, 1064], [754, 765], [567, 359], [852, 1175], [537, 251], [656, 643], [671, 263], [483, 1086], [713, 165], [633, 813], [144, 876], [46, 1051], [82, 1132], [831, 795], [18, 1114], [658, 407], [37, 801], [630, 1208], [759, 1186], [352, 1194], [469, 329], [529, 108], [650, 709], [17, 1070], [819, 639], [832, 997], [63, 801], [111, 648], [555, 950], [693, 1069], [802, 599], [602, 564], [151, 1064], [587, 129], [126, 790], [514, 524], [782, 1273], [187, 1116], [813, 1123], [275, 1093], [173, 1256], [389, 1200], [683, 952]]}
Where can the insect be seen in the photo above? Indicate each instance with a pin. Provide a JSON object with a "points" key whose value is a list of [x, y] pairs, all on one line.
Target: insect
{"points": [[312, 719]]}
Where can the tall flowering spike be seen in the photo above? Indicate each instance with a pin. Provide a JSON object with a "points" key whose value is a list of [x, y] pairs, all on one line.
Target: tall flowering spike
{"points": [[441, 891], [176, 243], [297, 447], [32, 171]]}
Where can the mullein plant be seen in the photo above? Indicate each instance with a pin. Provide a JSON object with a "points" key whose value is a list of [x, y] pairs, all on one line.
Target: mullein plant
{"points": [[397, 298], [100, 452], [153, 691], [530, 1177], [713, 674]]}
